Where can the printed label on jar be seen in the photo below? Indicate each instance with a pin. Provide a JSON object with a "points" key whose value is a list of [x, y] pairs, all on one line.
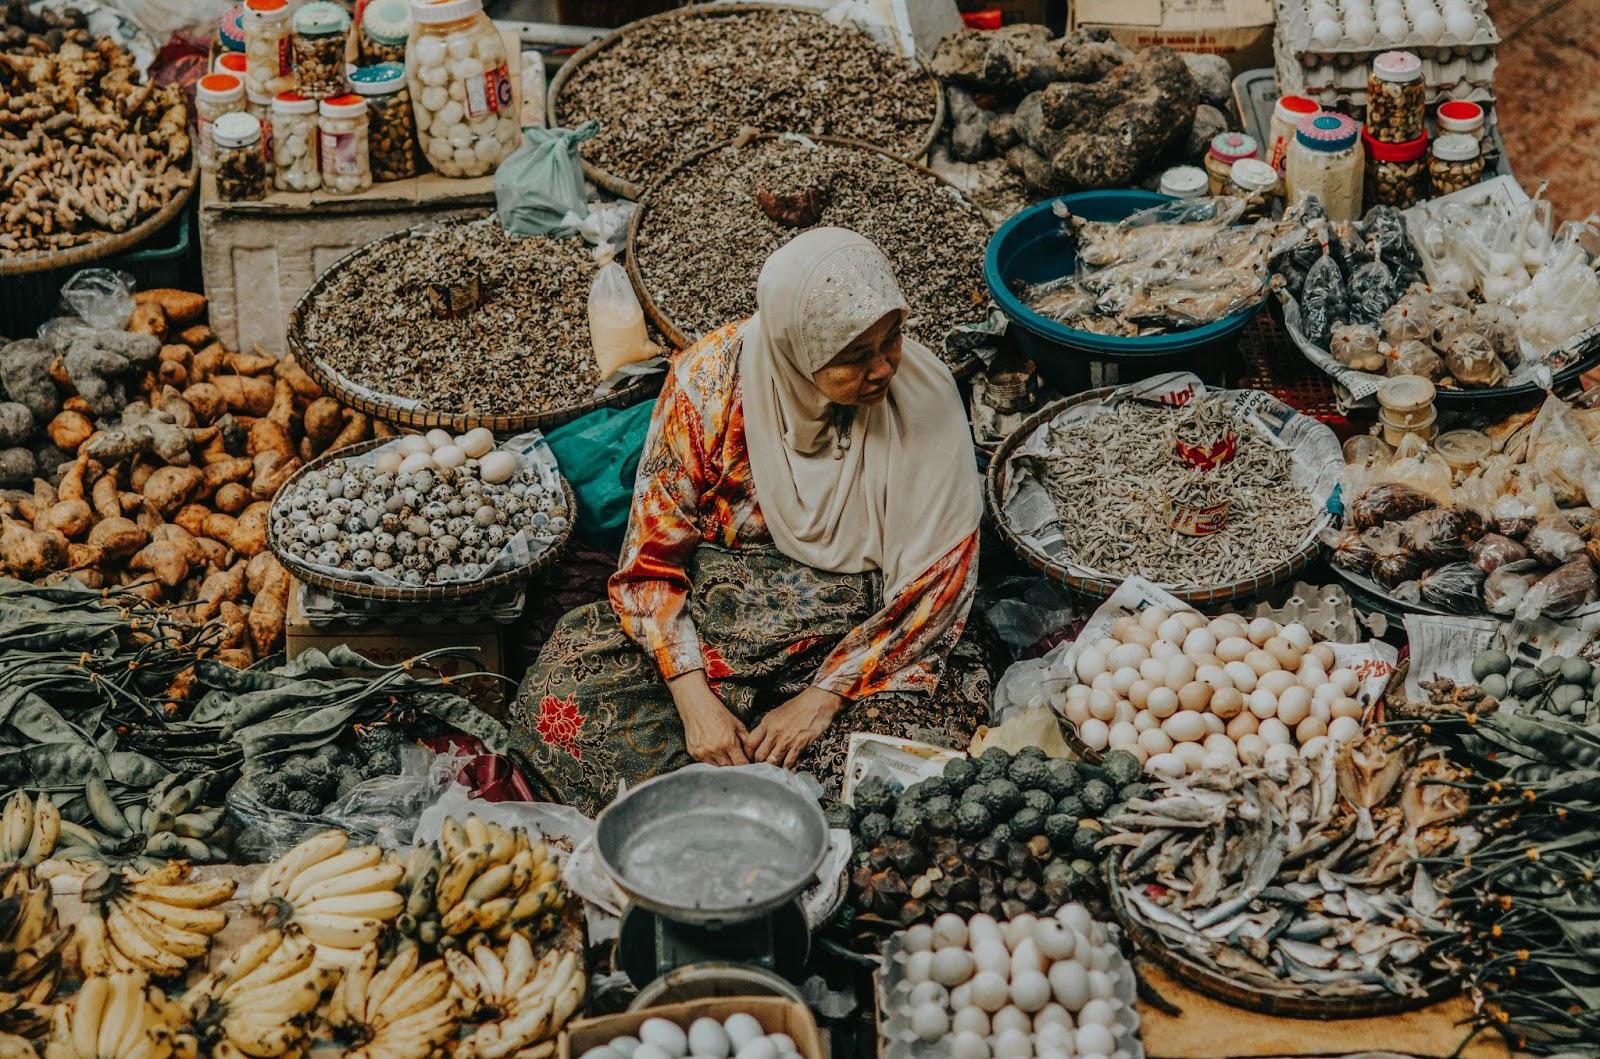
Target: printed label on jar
{"points": [[285, 57], [339, 154], [490, 94]]}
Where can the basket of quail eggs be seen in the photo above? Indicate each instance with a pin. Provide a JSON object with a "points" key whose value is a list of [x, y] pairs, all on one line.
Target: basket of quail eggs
{"points": [[1050, 987], [423, 516]]}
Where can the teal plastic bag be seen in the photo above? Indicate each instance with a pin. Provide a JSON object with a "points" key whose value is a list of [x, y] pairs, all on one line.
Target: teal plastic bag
{"points": [[542, 181], [599, 456]]}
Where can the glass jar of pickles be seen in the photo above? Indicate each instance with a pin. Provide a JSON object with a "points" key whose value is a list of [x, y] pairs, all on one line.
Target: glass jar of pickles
{"points": [[294, 143], [391, 134], [1397, 100], [465, 100], [214, 96], [269, 62], [346, 163], [320, 35]]}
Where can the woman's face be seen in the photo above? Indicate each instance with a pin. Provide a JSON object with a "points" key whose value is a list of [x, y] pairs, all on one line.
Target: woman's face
{"points": [[860, 374]]}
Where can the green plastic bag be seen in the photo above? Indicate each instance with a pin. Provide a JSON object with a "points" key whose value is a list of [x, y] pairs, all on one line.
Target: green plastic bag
{"points": [[599, 456], [542, 181]]}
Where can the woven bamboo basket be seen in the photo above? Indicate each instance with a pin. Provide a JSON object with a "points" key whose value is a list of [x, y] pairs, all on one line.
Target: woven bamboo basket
{"points": [[629, 189], [89, 253], [1099, 587], [653, 312], [407, 594], [396, 411]]}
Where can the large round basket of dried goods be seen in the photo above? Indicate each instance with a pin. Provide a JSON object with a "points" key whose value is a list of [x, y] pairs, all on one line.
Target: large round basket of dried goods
{"points": [[669, 85], [1215, 495], [337, 546], [701, 233], [459, 325]]}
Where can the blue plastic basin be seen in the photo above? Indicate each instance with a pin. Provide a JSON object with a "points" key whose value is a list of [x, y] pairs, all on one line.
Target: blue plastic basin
{"points": [[1029, 247]]}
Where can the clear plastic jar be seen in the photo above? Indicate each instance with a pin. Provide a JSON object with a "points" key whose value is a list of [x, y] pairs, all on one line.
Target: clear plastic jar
{"points": [[1461, 115], [385, 27], [1256, 182], [269, 63], [1287, 114], [1326, 161], [391, 135], [231, 62], [260, 108], [1455, 164], [346, 165], [240, 169], [1397, 100], [214, 96], [1397, 173], [465, 100], [1226, 148], [321, 33], [294, 143]]}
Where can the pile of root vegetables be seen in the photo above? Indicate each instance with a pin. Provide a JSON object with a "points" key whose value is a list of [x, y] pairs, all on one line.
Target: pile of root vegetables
{"points": [[153, 454]]}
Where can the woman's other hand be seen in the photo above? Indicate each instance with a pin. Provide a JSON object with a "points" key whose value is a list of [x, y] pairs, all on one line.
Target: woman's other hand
{"points": [[712, 733], [785, 732]]}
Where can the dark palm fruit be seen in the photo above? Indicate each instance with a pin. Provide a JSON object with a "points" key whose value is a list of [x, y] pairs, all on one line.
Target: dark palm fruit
{"points": [[906, 820], [1004, 797], [993, 764], [1062, 779], [1028, 772], [872, 828], [1058, 871], [939, 803], [1084, 840], [1121, 767], [995, 756], [976, 793], [1097, 796], [1088, 772], [973, 820], [1071, 805], [1033, 752], [1059, 829], [1002, 832], [1039, 800], [943, 822], [1027, 823], [958, 771], [876, 795]]}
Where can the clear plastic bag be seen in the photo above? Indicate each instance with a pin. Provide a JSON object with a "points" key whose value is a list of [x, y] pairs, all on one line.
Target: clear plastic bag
{"points": [[1446, 321], [1567, 588], [540, 182], [1441, 534], [1322, 304], [1553, 541], [1393, 563], [1505, 589], [1498, 325], [616, 321], [1455, 587], [100, 297], [1356, 346], [1351, 550], [1388, 502], [1414, 357], [1408, 319], [1371, 293], [1560, 454], [1492, 551]]}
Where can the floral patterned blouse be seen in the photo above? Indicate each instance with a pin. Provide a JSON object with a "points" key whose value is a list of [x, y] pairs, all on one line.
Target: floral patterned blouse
{"points": [[695, 486]]}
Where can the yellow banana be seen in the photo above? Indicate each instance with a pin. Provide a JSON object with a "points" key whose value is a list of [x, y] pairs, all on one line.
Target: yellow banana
{"points": [[144, 953], [350, 860], [262, 1038], [252, 954], [164, 936], [419, 1034], [98, 799], [293, 995], [91, 1005], [477, 832], [285, 963], [379, 904], [459, 919], [339, 932], [491, 884], [169, 874], [453, 881], [502, 844], [139, 1027], [491, 914], [452, 838], [314, 850], [200, 920], [126, 994], [467, 978], [355, 984], [16, 824], [384, 982], [379, 877], [494, 972], [421, 989], [201, 893], [46, 829], [518, 963], [94, 947]]}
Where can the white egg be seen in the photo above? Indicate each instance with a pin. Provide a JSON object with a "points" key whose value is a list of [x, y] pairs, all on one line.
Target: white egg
{"points": [[1276, 682], [1010, 1018], [968, 1045], [1199, 642], [1163, 702], [1144, 720], [1185, 727], [742, 1029], [1262, 662], [1168, 764], [919, 968], [413, 443], [1126, 655], [1091, 663], [1345, 680], [763, 1048], [1244, 678], [476, 442], [1155, 741], [1318, 10], [708, 1040], [952, 966], [389, 462], [416, 461], [624, 1045], [1193, 755], [664, 1034], [1122, 735], [1180, 671], [1102, 704], [1263, 703], [1172, 629], [1152, 617], [990, 991], [1077, 712], [1219, 743], [1154, 670], [1311, 675], [1075, 916], [605, 1051], [1261, 630], [1012, 1044], [1165, 650], [927, 992], [438, 439], [1393, 27], [1225, 626], [917, 939], [1101, 986], [1214, 760], [1460, 25], [1069, 984], [1251, 748], [1030, 991], [928, 1021], [1055, 941], [646, 1050], [449, 456], [991, 955], [1213, 675], [1123, 680], [1095, 734], [971, 1020], [1345, 707], [981, 930], [1214, 724], [1241, 726], [1273, 731], [1294, 705], [1125, 713], [1027, 956], [1344, 729], [1094, 1040], [949, 929], [1327, 32], [1233, 649], [497, 467], [1052, 1014]]}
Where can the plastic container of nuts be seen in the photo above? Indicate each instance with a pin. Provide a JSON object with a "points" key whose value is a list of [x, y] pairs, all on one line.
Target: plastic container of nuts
{"points": [[214, 96], [241, 169], [391, 134], [1397, 173], [269, 59], [461, 88], [321, 31], [294, 143], [1397, 100], [343, 145], [385, 27], [1456, 163]]}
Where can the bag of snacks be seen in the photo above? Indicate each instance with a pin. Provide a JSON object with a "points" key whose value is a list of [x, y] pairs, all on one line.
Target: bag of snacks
{"points": [[1356, 346], [1504, 589], [1553, 541], [1393, 563], [1388, 502], [1351, 551], [1323, 303], [1560, 455], [1455, 587], [1492, 551], [1371, 292], [1441, 534], [1413, 357], [1565, 589], [1409, 319], [1472, 360]]}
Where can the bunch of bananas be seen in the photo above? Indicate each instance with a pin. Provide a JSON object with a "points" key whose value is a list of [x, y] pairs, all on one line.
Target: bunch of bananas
{"points": [[120, 1016], [341, 898], [155, 922], [169, 823], [30, 957], [401, 1012], [479, 884], [28, 829], [525, 1004], [261, 1000]]}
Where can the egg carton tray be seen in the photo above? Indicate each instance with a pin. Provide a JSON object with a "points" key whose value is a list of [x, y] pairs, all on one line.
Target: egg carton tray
{"points": [[322, 608], [1294, 29], [896, 1040], [1327, 610]]}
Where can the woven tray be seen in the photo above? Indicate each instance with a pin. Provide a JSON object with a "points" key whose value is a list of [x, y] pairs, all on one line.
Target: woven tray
{"points": [[394, 410], [1099, 587], [114, 243], [665, 324], [618, 185], [395, 594]]}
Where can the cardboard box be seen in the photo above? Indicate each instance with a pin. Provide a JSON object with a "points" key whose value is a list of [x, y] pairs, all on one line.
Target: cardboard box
{"points": [[775, 1014], [1012, 11], [1238, 30]]}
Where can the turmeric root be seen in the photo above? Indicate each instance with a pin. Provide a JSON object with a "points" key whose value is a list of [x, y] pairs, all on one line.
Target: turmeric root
{"points": [[148, 320]]}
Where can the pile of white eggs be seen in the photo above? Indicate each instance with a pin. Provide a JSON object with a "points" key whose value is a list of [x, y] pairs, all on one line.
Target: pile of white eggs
{"points": [[463, 125], [437, 448], [1362, 23], [1030, 987], [740, 1036], [1183, 693]]}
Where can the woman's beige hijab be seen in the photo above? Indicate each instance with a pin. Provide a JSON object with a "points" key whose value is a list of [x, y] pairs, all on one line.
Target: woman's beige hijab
{"points": [[905, 490]]}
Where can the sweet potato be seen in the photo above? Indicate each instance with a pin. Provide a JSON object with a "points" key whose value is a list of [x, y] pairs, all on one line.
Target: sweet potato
{"points": [[140, 472], [106, 497], [68, 430], [380, 429], [148, 319], [145, 516], [28, 553], [235, 658], [232, 617], [73, 483], [219, 527], [244, 394], [324, 419], [355, 429], [207, 362], [224, 585], [172, 373], [267, 435], [272, 469], [232, 498], [165, 559], [267, 613], [290, 371], [193, 554], [70, 518], [195, 335], [215, 450], [117, 538], [249, 536], [251, 363], [79, 405], [207, 401], [216, 553], [179, 306], [224, 472], [143, 586], [169, 488], [84, 556], [43, 499], [192, 517], [260, 567]]}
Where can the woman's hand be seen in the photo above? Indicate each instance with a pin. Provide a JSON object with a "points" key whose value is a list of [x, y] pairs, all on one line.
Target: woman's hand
{"points": [[786, 731], [711, 732]]}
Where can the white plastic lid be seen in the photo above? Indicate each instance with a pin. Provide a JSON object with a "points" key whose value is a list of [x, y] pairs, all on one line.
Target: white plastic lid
{"points": [[387, 21], [343, 107], [1397, 66], [219, 88], [1184, 182], [320, 18], [236, 130], [293, 103], [266, 10], [433, 12], [1252, 174], [1456, 147], [1405, 394], [258, 99]]}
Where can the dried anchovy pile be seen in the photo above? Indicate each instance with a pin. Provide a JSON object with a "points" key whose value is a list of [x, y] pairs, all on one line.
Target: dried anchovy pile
{"points": [[524, 349], [682, 84], [704, 236], [1110, 477]]}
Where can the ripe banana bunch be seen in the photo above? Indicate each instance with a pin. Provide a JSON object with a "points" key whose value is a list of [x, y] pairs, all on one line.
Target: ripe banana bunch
{"points": [[119, 1016], [155, 922], [261, 1000], [401, 1012], [28, 829], [480, 884], [341, 898], [31, 946], [170, 823], [526, 1003]]}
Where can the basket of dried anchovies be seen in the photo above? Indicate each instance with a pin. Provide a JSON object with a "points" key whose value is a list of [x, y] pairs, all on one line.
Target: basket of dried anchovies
{"points": [[672, 84], [702, 232], [459, 325], [1214, 495]]}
